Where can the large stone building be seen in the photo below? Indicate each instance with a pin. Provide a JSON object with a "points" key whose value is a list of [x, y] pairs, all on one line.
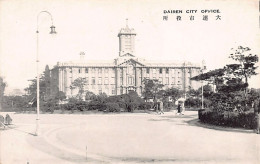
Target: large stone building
{"points": [[123, 74]]}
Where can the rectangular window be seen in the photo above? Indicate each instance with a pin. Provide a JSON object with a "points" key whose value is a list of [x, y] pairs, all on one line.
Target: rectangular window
{"points": [[93, 70], [160, 70], [167, 80], [79, 70], [173, 80], [99, 91], [147, 70], [100, 70], [106, 81], [130, 80], [99, 80], [112, 81], [167, 70], [93, 81], [161, 80], [87, 82], [86, 70], [154, 71], [113, 92]]}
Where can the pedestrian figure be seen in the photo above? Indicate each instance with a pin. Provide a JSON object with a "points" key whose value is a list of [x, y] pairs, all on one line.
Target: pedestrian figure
{"points": [[182, 108], [160, 104], [158, 107], [155, 106], [8, 119], [179, 108]]}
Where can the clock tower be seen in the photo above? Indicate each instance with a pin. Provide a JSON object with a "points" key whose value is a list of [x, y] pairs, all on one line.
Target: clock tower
{"points": [[126, 41]]}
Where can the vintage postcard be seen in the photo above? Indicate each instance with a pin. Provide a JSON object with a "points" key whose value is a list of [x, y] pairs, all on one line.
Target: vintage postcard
{"points": [[132, 81]]}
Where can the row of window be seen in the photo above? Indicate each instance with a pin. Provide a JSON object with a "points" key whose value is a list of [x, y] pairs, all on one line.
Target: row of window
{"points": [[130, 81], [99, 81], [106, 87], [93, 70]]}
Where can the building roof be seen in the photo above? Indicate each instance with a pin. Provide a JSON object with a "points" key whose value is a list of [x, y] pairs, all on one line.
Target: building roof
{"points": [[121, 60]]}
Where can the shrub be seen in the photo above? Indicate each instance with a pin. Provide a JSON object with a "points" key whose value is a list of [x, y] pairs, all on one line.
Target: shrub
{"points": [[247, 120], [112, 107], [145, 105], [96, 105], [230, 119], [193, 102], [81, 105]]}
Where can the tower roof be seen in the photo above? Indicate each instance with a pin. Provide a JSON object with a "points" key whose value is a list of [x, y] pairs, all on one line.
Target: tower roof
{"points": [[126, 30]]}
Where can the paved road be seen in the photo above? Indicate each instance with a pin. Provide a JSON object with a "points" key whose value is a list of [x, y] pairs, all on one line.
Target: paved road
{"points": [[125, 138]]}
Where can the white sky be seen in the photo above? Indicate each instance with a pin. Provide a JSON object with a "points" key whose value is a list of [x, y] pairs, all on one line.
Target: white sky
{"points": [[92, 27]]}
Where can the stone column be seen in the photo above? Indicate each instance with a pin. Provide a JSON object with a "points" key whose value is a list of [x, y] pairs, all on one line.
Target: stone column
{"points": [[124, 79], [117, 80]]}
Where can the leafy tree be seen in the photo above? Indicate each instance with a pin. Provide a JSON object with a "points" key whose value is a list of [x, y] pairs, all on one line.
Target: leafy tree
{"points": [[90, 96], [60, 96], [193, 93], [46, 78], [215, 77], [130, 101], [231, 81], [174, 93], [246, 67], [102, 95], [192, 102], [207, 90], [44, 83], [100, 98], [14, 102], [152, 89], [79, 84], [32, 89]]}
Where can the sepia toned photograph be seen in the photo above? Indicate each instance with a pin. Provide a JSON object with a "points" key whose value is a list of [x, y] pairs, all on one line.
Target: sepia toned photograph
{"points": [[129, 81]]}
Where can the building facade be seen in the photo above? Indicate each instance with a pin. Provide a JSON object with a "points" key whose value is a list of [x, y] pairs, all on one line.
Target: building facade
{"points": [[124, 73]]}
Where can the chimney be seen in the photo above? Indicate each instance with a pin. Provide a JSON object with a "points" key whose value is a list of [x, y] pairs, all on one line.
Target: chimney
{"points": [[82, 55]]}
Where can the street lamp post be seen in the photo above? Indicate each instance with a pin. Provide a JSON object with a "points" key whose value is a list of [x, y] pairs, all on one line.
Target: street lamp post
{"points": [[37, 66]]}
